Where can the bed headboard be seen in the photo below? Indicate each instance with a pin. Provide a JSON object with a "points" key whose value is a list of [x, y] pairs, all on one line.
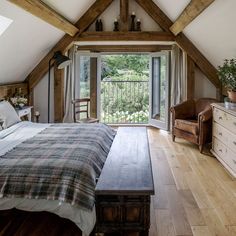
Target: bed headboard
{"points": [[8, 90]]}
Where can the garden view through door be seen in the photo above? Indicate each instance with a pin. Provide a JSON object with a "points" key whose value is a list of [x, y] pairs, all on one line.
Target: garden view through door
{"points": [[131, 88], [124, 89]]}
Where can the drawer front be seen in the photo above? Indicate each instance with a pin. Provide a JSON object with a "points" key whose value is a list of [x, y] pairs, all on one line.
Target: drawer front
{"points": [[225, 153], [225, 119], [225, 136], [24, 112], [219, 148], [231, 157]]}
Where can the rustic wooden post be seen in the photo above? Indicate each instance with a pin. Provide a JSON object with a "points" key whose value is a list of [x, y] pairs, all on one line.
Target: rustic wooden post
{"points": [[58, 95], [190, 78], [124, 15]]}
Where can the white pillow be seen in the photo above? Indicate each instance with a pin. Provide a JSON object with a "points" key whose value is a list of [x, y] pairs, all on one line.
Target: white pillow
{"points": [[8, 115]]}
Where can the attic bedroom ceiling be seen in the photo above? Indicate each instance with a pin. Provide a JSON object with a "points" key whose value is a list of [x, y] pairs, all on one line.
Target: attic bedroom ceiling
{"points": [[28, 39]]}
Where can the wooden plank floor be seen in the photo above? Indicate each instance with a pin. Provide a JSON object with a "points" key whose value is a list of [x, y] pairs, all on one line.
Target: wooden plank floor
{"points": [[194, 196], [194, 193]]}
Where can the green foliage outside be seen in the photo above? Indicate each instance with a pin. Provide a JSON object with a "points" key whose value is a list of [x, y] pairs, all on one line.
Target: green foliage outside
{"points": [[124, 88]]}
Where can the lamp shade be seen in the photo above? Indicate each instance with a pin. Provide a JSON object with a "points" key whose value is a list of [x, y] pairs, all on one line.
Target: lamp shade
{"points": [[61, 61]]}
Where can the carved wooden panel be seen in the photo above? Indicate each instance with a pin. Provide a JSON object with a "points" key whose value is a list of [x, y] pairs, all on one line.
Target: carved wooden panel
{"points": [[123, 215]]}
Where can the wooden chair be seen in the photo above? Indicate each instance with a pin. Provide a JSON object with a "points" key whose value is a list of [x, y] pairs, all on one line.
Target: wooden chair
{"points": [[192, 120], [81, 106]]}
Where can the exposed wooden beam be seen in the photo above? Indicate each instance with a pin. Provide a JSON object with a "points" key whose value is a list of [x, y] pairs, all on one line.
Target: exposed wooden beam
{"points": [[83, 23], [124, 48], [125, 36], [194, 9], [124, 14], [165, 23], [39, 9], [58, 95], [190, 78]]}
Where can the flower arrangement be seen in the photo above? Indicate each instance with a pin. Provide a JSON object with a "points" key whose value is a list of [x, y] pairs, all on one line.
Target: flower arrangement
{"points": [[19, 101]]}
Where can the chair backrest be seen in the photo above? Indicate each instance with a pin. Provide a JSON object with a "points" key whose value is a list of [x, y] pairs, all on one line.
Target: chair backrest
{"points": [[81, 106], [203, 103]]}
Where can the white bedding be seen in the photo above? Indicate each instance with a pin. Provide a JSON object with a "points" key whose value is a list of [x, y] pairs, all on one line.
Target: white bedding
{"points": [[10, 138]]}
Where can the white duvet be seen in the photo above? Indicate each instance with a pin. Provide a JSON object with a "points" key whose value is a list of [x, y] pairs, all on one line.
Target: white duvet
{"points": [[10, 138]]}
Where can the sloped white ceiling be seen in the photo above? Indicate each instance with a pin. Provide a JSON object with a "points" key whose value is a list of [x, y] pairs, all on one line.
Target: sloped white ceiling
{"points": [[28, 38], [213, 32]]}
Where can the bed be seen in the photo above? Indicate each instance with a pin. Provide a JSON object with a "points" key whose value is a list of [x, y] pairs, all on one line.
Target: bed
{"points": [[65, 168], [44, 167]]}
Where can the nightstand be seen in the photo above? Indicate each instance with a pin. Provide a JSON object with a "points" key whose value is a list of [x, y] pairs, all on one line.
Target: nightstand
{"points": [[24, 112]]}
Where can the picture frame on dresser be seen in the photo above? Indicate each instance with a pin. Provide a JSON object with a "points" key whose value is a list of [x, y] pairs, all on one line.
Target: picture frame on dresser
{"points": [[224, 136]]}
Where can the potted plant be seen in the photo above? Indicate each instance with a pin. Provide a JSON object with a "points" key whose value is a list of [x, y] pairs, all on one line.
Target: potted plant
{"points": [[227, 76]]}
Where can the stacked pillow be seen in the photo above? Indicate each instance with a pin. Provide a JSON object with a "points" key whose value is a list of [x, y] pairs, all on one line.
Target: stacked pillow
{"points": [[8, 115]]}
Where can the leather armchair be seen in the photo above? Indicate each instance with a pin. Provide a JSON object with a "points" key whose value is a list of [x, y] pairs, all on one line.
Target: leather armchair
{"points": [[192, 120]]}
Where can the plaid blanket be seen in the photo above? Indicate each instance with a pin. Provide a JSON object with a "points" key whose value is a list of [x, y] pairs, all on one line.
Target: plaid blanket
{"points": [[60, 163]]}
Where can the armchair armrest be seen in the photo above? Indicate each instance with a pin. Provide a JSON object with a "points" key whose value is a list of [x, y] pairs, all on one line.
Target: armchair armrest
{"points": [[205, 115], [183, 110]]}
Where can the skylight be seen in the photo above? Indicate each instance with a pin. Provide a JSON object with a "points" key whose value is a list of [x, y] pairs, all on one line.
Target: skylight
{"points": [[4, 23]]}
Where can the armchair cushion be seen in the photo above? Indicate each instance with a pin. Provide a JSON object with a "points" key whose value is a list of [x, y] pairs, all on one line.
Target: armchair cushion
{"points": [[184, 110], [190, 126]]}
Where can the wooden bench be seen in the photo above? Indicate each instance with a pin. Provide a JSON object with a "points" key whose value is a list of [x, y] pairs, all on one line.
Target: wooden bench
{"points": [[125, 185]]}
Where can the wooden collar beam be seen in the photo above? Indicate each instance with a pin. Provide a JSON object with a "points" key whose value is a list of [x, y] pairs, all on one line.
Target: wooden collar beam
{"points": [[39, 9], [194, 8], [124, 48], [125, 36]]}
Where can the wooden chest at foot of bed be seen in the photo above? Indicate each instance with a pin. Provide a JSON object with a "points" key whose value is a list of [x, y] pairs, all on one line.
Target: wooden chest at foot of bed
{"points": [[124, 215], [125, 185]]}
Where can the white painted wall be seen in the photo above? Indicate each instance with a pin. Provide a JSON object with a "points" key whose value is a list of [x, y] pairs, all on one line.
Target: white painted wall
{"points": [[41, 98], [203, 87]]}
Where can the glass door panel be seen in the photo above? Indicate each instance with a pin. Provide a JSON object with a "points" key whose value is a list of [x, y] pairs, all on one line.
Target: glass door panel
{"points": [[159, 99], [86, 79]]}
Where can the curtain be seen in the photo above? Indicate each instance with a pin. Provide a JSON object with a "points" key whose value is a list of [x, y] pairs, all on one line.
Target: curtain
{"points": [[69, 86], [178, 76]]}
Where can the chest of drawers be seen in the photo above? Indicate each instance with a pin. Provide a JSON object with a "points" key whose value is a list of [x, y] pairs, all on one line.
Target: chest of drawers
{"points": [[224, 136]]}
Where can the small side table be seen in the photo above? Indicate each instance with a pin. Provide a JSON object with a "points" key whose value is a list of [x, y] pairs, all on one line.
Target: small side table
{"points": [[24, 112]]}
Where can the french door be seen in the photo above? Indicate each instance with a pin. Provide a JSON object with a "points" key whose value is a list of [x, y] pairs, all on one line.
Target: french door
{"points": [[159, 90], [88, 84], [86, 73]]}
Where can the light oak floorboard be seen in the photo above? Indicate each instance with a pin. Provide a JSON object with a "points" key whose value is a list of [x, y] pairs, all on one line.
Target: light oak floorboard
{"points": [[194, 194]]}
